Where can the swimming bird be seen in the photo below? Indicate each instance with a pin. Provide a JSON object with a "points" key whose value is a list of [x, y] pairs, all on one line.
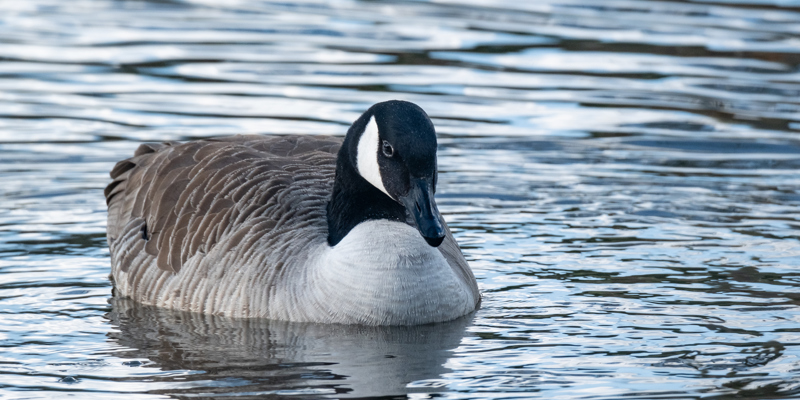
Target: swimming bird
{"points": [[294, 228]]}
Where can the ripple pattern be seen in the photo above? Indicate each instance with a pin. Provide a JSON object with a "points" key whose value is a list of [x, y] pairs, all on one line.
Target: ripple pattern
{"points": [[622, 176]]}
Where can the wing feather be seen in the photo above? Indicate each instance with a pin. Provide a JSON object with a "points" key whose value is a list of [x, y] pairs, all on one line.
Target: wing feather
{"points": [[171, 201]]}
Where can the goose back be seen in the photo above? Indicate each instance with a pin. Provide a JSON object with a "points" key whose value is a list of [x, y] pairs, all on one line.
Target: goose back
{"points": [[176, 202]]}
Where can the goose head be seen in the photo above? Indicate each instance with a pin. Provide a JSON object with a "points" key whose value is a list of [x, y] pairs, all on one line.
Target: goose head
{"points": [[387, 170]]}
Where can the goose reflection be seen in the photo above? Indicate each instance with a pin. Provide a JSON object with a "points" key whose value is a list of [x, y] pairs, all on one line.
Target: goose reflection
{"points": [[221, 356]]}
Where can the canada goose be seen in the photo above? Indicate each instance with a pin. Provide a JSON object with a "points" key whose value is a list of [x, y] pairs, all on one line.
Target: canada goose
{"points": [[283, 228]]}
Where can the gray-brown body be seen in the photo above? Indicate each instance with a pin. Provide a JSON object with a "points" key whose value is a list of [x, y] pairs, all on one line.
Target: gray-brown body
{"points": [[238, 226]]}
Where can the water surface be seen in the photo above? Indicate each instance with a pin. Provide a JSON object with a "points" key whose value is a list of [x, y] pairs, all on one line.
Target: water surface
{"points": [[622, 176]]}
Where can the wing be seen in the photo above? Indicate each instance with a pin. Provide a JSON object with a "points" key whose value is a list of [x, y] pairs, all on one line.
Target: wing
{"points": [[174, 200]]}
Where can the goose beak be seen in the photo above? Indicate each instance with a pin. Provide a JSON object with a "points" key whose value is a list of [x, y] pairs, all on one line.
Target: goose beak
{"points": [[420, 203]]}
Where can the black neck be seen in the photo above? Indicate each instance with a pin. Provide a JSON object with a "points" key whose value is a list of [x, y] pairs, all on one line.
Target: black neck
{"points": [[354, 200]]}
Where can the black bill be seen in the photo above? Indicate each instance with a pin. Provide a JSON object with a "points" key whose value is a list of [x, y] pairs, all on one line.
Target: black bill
{"points": [[420, 204]]}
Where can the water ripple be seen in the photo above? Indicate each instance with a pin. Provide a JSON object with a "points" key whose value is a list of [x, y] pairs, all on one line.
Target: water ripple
{"points": [[622, 177]]}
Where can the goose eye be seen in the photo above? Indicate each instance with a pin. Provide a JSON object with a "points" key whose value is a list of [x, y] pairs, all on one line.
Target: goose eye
{"points": [[387, 148]]}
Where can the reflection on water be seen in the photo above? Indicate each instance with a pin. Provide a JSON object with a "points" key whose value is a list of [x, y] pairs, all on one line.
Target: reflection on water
{"points": [[621, 174], [260, 357]]}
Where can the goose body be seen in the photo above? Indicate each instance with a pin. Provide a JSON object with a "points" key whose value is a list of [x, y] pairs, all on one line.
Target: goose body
{"points": [[295, 228]]}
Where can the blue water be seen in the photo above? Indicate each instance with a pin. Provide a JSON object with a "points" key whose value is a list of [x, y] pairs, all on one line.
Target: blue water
{"points": [[622, 176]]}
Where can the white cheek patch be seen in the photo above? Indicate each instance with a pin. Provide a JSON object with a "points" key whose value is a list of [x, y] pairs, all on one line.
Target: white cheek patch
{"points": [[367, 156]]}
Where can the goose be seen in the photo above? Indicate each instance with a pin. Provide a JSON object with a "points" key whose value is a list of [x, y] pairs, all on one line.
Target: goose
{"points": [[294, 228]]}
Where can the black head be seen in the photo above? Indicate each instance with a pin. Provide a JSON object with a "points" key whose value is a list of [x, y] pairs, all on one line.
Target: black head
{"points": [[392, 150]]}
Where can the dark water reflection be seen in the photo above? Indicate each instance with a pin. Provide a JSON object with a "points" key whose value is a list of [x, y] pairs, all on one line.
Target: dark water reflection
{"points": [[259, 357], [622, 176]]}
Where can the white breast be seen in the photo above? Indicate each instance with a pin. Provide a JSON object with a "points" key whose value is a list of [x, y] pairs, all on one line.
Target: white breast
{"points": [[382, 273]]}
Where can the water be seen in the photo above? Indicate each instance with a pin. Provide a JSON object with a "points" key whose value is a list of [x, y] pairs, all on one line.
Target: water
{"points": [[622, 176]]}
